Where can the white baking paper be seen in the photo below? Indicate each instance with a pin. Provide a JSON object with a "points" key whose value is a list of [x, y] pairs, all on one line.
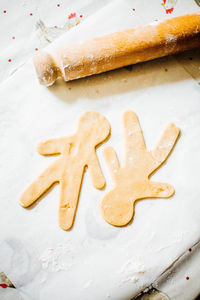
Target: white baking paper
{"points": [[96, 260]]}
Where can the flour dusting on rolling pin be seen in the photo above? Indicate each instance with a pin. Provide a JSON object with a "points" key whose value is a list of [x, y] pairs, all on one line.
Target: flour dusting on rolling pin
{"points": [[119, 49]]}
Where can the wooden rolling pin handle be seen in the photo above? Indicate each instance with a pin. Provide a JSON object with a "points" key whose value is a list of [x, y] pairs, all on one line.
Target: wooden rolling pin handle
{"points": [[46, 68], [119, 49]]}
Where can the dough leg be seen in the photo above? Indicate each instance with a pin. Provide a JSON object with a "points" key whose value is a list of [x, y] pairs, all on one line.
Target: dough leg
{"points": [[69, 195]]}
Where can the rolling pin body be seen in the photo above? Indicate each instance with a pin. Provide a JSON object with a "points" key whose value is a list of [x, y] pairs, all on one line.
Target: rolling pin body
{"points": [[119, 49]]}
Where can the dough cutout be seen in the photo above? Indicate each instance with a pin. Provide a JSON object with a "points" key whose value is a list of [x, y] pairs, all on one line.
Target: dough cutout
{"points": [[132, 181], [76, 152]]}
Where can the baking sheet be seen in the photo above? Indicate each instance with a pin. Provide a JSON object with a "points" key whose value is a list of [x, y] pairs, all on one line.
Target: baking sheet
{"points": [[101, 261]]}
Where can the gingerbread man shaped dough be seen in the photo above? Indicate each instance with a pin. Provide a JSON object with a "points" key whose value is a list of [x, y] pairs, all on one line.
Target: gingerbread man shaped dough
{"points": [[76, 152], [132, 181]]}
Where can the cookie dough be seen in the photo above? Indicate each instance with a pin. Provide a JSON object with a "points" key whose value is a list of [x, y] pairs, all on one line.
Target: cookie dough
{"points": [[76, 152], [132, 181]]}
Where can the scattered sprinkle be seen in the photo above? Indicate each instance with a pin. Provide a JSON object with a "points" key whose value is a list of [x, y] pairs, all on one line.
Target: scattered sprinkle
{"points": [[3, 285], [72, 15], [9, 60], [169, 11], [190, 249], [133, 9], [13, 37], [78, 22], [31, 14], [58, 5], [187, 278], [4, 11], [36, 49], [55, 26], [81, 16]]}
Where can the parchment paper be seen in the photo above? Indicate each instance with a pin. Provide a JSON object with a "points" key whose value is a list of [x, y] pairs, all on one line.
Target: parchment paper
{"points": [[95, 260]]}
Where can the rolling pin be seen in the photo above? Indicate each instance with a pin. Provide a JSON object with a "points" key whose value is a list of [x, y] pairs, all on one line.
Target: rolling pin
{"points": [[119, 49]]}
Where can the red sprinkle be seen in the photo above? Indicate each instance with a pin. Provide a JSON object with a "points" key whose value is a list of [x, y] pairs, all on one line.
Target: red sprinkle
{"points": [[4, 11], [164, 1], [72, 15], [187, 278], [13, 37], [169, 11], [3, 285], [190, 249], [58, 5], [133, 9], [31, 14], [9, 60], [36, 49], [55, 26], [81, 16]]}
